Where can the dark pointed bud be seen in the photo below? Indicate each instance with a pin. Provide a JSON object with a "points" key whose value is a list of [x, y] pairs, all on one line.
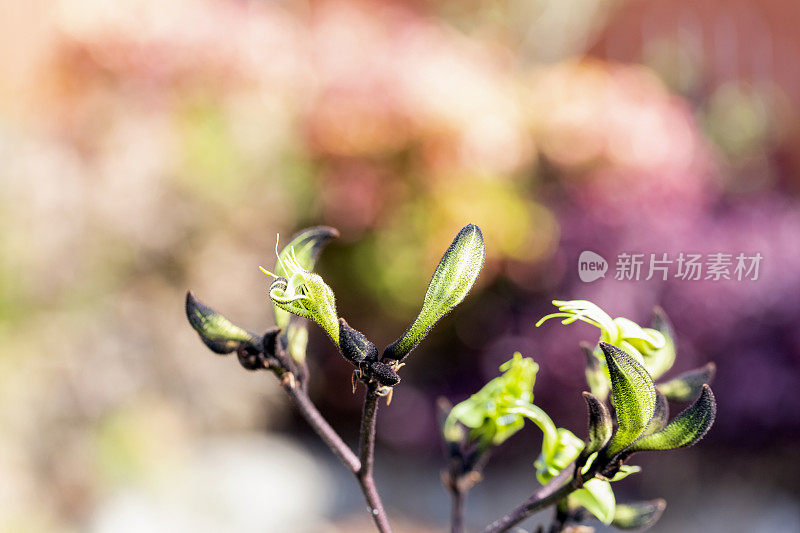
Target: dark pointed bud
{"points": [[354, 345], [384, 374], [687, 386], [686, 429], [217, 332], [600, 427], [454, 277], [660, 416], [269, 341], [633, 395], [638, 515]]}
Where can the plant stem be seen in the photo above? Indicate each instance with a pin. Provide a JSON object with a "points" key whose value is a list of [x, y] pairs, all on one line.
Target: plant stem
{"points": [[321, 426], [558, 487], [367, 455], [457, 509]]}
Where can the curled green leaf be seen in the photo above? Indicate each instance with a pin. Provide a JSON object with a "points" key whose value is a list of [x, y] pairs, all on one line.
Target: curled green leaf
{"points": [[633, 395], [600, 427], [685, 429], [625, 471], [687, 386], [638, 515], [454, 277], [585, 311], [305, 294], [217, 332], [307, 245], [498, 410], [647, 345]]}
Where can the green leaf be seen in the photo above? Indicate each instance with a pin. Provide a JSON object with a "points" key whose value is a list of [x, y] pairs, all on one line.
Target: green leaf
{"points": [[597, 497], [305, 294], [600, 426], [687, 386], [454, 277], [639, 515], [660, 360], [660, 416], [217, 332], [307, 245], [686, 429], [633, 395]]}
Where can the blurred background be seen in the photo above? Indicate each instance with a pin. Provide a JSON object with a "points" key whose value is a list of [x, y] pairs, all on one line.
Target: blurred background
{"points": [[151, 147]]}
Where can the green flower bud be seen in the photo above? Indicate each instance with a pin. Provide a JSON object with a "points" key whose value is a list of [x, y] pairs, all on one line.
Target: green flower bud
{"points": [[659, 359], [454, 277], [633, 394], [217, 332]]}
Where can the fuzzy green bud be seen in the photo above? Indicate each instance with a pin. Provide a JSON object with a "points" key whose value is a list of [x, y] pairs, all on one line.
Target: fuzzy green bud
{"points": [[454, 277]]}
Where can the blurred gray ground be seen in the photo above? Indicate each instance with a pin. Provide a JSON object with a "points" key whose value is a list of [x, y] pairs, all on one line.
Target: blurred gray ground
{"points": [[252, 483]]}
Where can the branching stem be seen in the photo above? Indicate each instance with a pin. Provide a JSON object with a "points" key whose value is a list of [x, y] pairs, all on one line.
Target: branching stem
{"points": [[559, 487], [321, 426], [362, 466]]}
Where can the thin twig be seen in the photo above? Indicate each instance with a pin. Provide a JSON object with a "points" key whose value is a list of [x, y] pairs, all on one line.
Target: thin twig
{"points": [[321, 426], [558, 487], [367, 457]]}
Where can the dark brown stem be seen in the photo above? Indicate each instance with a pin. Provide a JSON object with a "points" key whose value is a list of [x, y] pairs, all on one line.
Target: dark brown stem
{"points": [[320, 425], [367, 457], [361, 467], [559, 487], [458, 495]]}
